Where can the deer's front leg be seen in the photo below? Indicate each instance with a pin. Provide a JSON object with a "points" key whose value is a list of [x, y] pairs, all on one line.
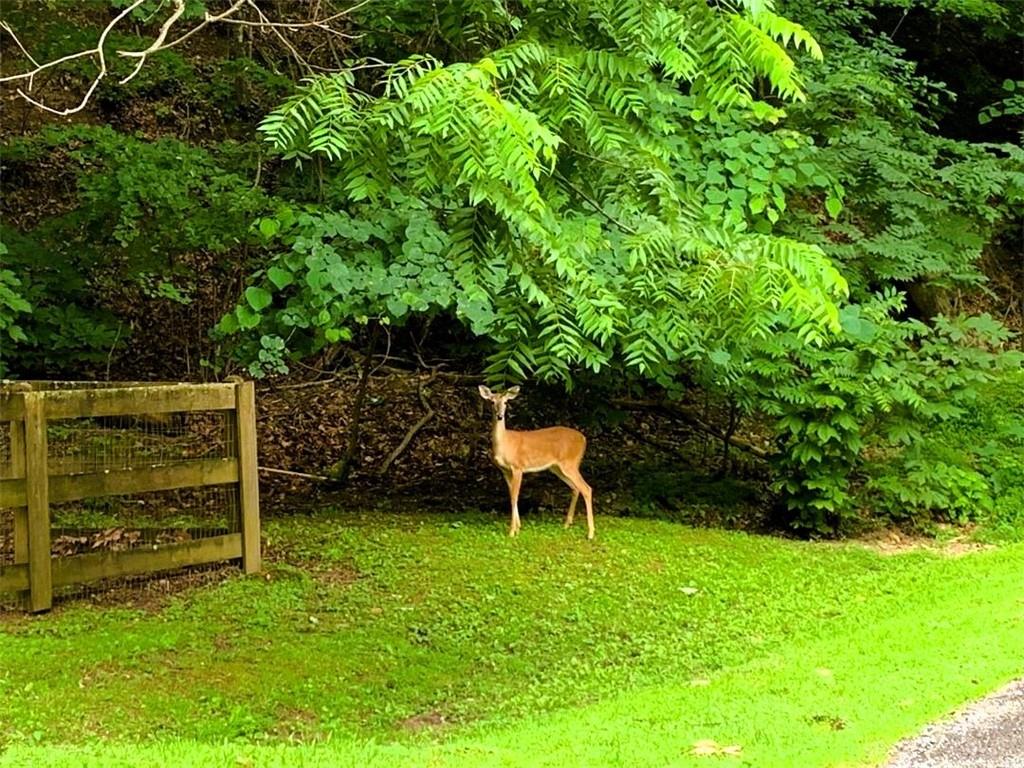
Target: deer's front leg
{"points": [[514, 483]]}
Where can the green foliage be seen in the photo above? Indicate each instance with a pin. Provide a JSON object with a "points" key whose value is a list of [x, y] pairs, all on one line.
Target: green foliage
{"points": [[919, 489], [12, 305], [916, 211], [751, 176], [242, 88], [138, 207], [970, 468], [620, 188], [872, 391], [991, 11], [667, 194], [474, 188], [1010, 106], [61, 325], [920, 208], [170, 74]]}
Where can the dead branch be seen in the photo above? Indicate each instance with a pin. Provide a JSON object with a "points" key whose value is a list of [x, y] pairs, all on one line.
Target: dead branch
{"points": [[687, 415], [344, 467], [450, 376], [98, 51], [303, 475], [319, 23], [160, 43], [179, 8], [414, 429], [208, 19], [266, 24]]}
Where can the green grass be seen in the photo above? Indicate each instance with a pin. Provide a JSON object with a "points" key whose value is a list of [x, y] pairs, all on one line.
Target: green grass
{"points": [[545, 650]]}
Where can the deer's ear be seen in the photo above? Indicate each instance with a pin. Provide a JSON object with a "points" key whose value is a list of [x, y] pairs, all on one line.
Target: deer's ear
{"points": [[485, 392], [513, 392]]}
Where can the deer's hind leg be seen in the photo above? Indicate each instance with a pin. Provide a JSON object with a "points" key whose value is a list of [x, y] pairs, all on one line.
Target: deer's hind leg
{"points": [[580, 486], [575, 493]]}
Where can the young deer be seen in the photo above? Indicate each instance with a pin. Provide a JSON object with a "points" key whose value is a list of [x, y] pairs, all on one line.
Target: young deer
{"points": [[559, 449]]}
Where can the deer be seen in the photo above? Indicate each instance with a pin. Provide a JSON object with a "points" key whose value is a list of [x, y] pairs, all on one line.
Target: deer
{"points": [[516, 452]]}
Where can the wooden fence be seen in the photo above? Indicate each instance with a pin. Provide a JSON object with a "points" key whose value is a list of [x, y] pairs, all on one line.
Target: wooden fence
{"points": [[32, 480]]}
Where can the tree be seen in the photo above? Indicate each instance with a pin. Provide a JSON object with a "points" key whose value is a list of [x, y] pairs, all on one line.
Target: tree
{"points": [[549, 193]]}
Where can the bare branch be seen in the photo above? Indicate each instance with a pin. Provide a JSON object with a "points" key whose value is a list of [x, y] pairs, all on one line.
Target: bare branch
{"points": [[298, 57], [160, 43], [38, 67], [179, 8], [209, 19], [287, 24], [319, 23], [383, 469], [690, 416], [98, 50], [303, 475], [7, 28]]}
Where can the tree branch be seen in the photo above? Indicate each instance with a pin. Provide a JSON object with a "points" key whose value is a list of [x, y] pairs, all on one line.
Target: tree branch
{"points": [[160, 43], [98, 51], [265, 22], [208, 19], [414, 428], [179, 8], [303, 475], [596, 205]]}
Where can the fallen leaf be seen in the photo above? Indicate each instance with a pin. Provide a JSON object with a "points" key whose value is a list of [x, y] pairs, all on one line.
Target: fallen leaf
{"points": [[711, 748], [705, 748]]}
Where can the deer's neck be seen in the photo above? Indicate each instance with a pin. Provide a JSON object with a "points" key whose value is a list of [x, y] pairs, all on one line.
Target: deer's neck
{"points": [[498, 435]]}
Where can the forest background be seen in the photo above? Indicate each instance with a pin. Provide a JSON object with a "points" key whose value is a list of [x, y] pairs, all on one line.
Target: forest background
{"points": [[768, 256]]}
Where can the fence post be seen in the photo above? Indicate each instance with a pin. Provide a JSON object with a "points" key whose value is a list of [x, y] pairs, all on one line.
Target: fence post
{"points": [[20, 513], [37, 490], [248, 475]]}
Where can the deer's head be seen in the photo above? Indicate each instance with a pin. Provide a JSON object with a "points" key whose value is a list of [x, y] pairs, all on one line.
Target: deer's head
{"points": [[499, 400]]}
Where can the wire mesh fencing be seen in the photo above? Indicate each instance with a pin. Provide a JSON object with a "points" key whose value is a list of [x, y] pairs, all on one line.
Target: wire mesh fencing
{"points": [[137, 481]]}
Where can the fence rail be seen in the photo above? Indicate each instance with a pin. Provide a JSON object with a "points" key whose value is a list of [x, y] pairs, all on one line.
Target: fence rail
{"points": [[33, 479]]}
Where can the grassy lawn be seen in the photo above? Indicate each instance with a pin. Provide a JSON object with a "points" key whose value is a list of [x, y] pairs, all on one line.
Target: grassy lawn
{"points": [[434, 640]]}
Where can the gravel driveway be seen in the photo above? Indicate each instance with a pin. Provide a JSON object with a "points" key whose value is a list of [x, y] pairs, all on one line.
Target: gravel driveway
{"points": [[988, 734]]}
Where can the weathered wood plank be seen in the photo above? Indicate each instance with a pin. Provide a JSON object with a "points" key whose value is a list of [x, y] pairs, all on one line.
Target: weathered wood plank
{"points": [[123, 481], [47, 385], [248, 476], [12, 406], [101, 565], [127, 401], [55, 466], [12, 492], [14, 578], [144, 479], [37, 500], [77, 466], [17, 468]]}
